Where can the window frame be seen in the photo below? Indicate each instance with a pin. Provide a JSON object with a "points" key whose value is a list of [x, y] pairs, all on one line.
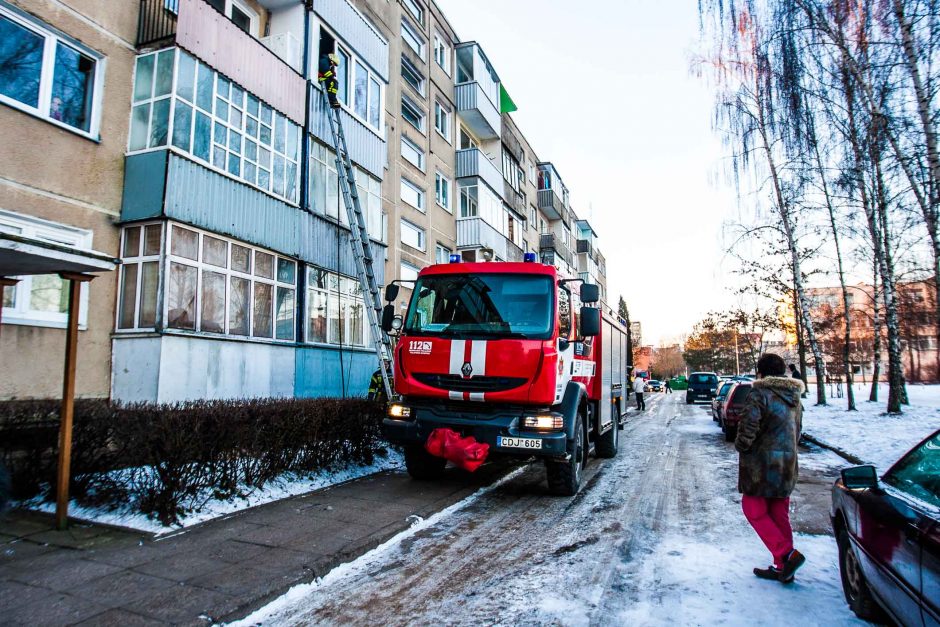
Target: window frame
{"points": [[411, 267], [253, 17], [422, 48], [411, 6], [443, 182], [421, 80], [445, 113], [422, 238], [440, 45], [51, 39], [138, 260], [447, 252], [54, 232], [329, 292], [422, 116], [422, 195], [422, 158]]}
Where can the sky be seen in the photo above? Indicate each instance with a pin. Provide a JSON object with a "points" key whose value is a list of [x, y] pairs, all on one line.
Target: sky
{"points": [[606, 93]]}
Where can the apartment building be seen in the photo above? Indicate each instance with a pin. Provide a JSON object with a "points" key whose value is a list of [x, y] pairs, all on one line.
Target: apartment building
{"points": [[66, 70], [205, 165]]}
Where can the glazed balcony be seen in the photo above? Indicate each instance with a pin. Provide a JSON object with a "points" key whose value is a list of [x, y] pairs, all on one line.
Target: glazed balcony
{"points": [[477, 233]]}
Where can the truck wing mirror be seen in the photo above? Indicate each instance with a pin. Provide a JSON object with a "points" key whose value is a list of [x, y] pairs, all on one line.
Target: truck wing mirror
{"points": [[388, 317], [589, 293], [391, 292], [590, 322]]}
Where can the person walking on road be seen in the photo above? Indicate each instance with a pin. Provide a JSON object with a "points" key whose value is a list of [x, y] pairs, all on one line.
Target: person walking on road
{"points": [[767, 470], [639, 385], [666, 388]]}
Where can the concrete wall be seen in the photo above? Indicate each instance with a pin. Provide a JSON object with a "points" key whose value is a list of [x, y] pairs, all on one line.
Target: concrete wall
{"points": [[72, 180]]}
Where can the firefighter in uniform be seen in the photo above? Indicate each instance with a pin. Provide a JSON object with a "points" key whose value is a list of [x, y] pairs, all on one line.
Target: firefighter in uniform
{"points": [[326, 74], [377, 388]]}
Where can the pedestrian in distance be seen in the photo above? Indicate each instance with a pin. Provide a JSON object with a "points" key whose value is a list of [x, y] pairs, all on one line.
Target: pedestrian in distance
{"points": [[767, 469], [326, 74], [796, 374], [666, 388], [639, 385]]}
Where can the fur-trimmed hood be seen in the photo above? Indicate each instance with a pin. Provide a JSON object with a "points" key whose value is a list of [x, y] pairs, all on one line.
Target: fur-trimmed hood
{"points": [[787, 388]]}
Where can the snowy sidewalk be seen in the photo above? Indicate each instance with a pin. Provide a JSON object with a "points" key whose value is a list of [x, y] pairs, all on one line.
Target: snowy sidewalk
{"points": [[869, 433], [219, 570]]}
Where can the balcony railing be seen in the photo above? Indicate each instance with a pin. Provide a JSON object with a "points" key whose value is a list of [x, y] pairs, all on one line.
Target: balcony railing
{"points": [[157, 21], [473, 162], [585, 246], [549, 242], [551, 204], [478, 111], [477, 233]]}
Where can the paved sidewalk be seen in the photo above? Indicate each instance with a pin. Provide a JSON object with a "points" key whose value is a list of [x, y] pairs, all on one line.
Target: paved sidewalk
{"points": [[217, 571]]}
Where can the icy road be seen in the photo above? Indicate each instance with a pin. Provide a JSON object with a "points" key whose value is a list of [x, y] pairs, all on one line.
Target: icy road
{"points": [[654, 537]]}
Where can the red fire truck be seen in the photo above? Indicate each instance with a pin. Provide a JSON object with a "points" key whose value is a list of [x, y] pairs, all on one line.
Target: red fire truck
{"points": [[512, 355]]}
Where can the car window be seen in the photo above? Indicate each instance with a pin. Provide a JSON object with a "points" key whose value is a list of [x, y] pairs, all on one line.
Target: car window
{"points": [[723, 391], [918, 473], [703, 378], [740, 394]]}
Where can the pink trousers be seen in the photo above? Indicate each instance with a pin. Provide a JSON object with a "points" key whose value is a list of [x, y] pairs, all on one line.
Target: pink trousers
{"points": [[771, 520]]}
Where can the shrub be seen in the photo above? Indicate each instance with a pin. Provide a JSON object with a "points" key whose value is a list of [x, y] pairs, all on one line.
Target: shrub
{"points": [[168, 459]]}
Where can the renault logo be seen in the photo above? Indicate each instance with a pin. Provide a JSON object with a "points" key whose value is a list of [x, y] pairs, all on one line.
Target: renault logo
{"points": [[466, 369]]}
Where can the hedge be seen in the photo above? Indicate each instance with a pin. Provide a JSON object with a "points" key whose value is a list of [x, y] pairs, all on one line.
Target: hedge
{"points": [[166, 460]]}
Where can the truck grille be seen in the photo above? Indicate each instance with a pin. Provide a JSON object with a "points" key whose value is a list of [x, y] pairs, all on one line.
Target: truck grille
{"points": [[457, 383]]}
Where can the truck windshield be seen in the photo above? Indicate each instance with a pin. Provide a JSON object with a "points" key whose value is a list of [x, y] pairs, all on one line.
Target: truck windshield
{"points": [[474, 305]]}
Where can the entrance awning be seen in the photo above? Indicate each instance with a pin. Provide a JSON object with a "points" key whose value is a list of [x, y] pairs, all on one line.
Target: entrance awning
{"points": [[26, 255]]}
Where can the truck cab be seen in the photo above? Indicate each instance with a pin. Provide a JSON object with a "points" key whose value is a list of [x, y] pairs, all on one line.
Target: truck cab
{"points": [[513, 355]]}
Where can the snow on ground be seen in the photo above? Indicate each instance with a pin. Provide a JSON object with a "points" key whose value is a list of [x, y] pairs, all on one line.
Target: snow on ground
{"points": [[870, 433], [287, 485], [692, 582]]}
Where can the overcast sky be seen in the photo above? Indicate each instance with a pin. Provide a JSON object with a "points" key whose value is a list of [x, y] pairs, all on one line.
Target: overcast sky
{"points": [[605, 92]]}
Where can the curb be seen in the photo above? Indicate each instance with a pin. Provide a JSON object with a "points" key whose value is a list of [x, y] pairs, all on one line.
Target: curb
{"points": [[835, 449]]}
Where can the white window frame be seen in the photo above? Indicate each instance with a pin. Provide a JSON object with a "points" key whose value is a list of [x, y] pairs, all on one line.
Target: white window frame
{"points": [[414, 10], [138, 260], [421, 88], [442, 53], [228, 272], [52, 38], [28, 226], [349, 104], [419, 152], [253, 17], [441, 182], [422, 196], [423, 117], [442, 253], [473, 143], [418, 37], [415, 229], [331, 292], [412, 269], [443, 112]]}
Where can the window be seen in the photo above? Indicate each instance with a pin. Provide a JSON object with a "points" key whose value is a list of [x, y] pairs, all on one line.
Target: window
{"points": [[442, 120], [917, 473], [533, 218], [335, 310], [442, 190], [415, 9], [342, 77], [412, 194], [412, 39], [512, 173], [412, 76], [47, 75], [466, 140], [324, 191], [139, 277], [215, 121], [361, 87], [42, 299], [412, 154], [412, 235], [412, 114], [408, 272], [480, 201], [219, 286], [442, 53], [442, 254], [564, 313], [243, 17]]}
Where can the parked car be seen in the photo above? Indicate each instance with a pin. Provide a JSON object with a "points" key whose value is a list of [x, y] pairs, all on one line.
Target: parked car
{"points": [[654, 385], [888, 532], [702, 386], [732, 408], [719, 399]]}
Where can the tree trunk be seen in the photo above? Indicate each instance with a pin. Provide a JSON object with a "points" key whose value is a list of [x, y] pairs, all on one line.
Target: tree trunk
{"points": [[800, 342], [876, 340]]}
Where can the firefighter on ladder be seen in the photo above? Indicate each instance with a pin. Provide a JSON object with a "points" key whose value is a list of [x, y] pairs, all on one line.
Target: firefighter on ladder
{"points": [[377, 387], [326, 74]]}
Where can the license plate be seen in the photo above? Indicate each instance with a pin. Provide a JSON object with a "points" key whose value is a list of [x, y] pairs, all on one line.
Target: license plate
{"points": [[528, 443]]}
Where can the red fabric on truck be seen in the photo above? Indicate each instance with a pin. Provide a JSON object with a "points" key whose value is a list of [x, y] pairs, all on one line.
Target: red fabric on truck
{"points": [[465, 452]]}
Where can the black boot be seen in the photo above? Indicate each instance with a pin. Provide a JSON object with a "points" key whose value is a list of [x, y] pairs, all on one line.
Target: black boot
{"points": [[771, 572]]}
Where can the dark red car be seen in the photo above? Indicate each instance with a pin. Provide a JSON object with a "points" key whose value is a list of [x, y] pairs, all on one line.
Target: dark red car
{"points": [[888, 532], [733, 407]]}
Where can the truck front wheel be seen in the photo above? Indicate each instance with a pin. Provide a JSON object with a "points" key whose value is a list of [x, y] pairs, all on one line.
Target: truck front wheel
{"points": [[421, 464], [564, 478]]}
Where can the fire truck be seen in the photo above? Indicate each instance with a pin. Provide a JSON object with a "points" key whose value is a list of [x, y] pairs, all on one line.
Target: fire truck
{"points": [[514, 356]]}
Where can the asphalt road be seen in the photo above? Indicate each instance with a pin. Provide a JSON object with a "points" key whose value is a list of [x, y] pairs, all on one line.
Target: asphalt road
{"points": [[516, 555]]}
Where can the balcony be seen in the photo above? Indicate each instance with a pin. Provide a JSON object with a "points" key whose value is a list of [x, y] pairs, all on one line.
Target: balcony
{"points": [[548, 242], [477, 233], [208, 34], [473, 162], [477, 111], [551, 204], [585, 246]]}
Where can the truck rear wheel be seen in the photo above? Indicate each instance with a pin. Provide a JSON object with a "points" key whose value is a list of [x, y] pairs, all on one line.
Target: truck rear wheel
{"points": [[421, 464], [607, 444], [564, 478]]}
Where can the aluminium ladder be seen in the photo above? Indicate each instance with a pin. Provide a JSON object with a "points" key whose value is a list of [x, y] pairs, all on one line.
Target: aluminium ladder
{"points": [[361, 246]]}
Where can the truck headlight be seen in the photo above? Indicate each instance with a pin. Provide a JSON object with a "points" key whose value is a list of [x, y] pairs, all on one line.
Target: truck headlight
{"points": [[544, 422], [399, 411]]}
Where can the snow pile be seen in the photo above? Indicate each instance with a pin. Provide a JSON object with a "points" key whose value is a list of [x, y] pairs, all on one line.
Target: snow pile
{"points": [[287, 485], [689, 582], [870, 433]]}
